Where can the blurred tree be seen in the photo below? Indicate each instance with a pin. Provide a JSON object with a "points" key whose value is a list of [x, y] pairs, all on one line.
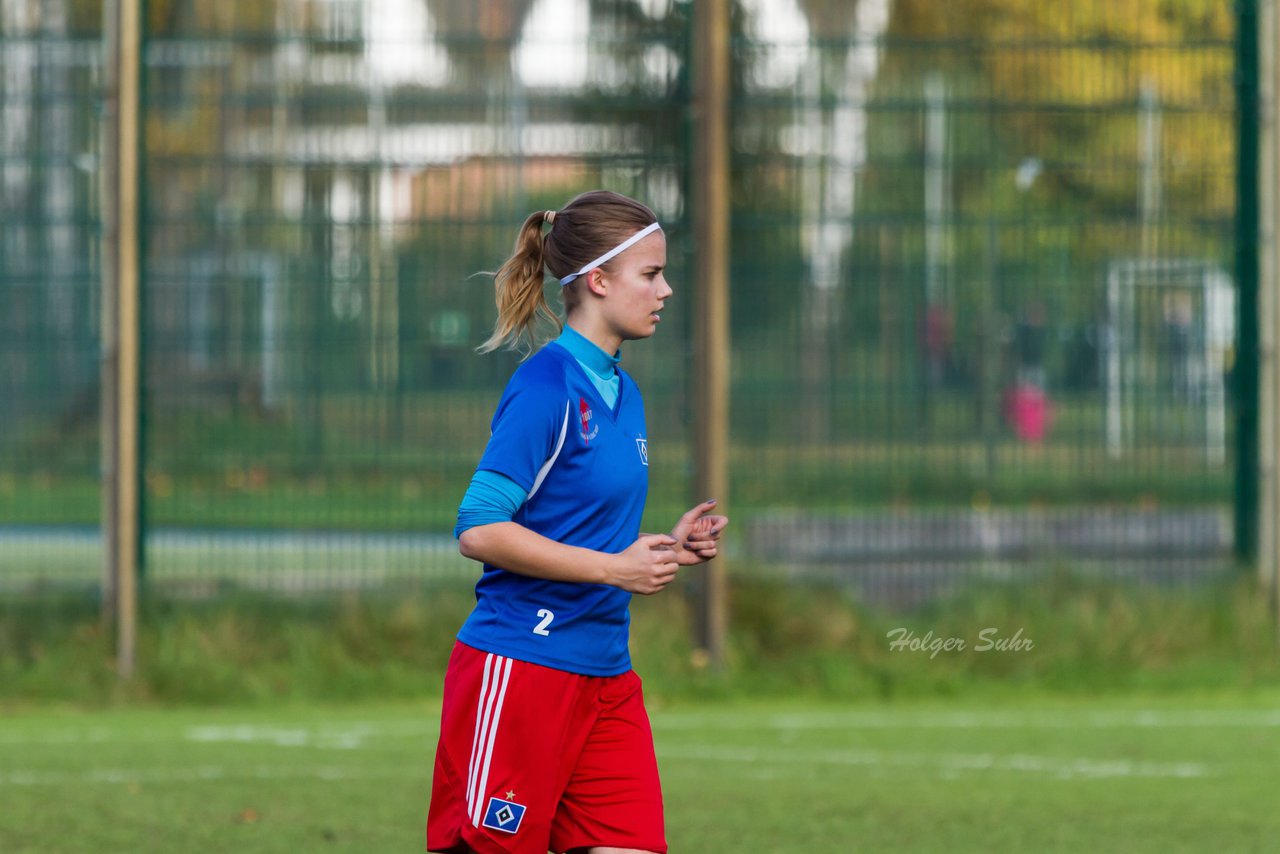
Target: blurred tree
{"points": [[1078, 70], [1059, 120]]}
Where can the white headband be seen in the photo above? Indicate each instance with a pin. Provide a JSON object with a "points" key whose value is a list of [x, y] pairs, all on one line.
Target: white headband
{"points": [[621, 247]]}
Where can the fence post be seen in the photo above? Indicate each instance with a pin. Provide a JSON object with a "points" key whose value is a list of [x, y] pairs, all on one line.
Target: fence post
{"points": [[1269, 309], [1247, 234], [108, 181], [121, 324], [710, 198]]}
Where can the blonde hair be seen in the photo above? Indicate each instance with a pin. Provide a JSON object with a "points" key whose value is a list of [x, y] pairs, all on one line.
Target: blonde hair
{"points": [[586, 228]]}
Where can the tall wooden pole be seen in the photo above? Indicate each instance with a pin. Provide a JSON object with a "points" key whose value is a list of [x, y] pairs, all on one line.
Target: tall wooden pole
{"points": [[710, 204], [1269, 308], [121, 324]]}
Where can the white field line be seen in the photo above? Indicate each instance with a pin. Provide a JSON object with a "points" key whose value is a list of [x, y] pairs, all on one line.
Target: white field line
{"points": [[354, 735], [1048, 719], [325, 737], [351, 735], [948, 764], [944, 765], [201, 774]]}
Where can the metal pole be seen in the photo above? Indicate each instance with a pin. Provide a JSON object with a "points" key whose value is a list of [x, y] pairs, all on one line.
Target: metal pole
{"points": [[1149, 160], [936, 184], [1247, 234], [126, 450], [710, 204], [110, 349]]}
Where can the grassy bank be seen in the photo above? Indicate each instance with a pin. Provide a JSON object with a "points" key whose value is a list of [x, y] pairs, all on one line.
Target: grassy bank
{"points": [[1064, 636]]}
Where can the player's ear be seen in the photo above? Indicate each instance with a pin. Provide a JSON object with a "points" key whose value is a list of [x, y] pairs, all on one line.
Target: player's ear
{"points": [[595, 282]]}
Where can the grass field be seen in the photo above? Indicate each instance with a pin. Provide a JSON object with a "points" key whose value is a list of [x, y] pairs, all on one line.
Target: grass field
{"points": [[1188, 774]]}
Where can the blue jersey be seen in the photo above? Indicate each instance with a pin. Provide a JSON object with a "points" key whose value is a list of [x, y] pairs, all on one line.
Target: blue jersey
{"points": [[585, 467]]}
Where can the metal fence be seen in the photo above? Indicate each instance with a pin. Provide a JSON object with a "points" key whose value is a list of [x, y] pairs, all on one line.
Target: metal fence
{"points": [[983, 310]]}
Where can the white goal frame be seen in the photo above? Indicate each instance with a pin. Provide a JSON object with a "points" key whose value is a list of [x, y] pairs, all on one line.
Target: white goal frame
{"points": [[1215, 323]]}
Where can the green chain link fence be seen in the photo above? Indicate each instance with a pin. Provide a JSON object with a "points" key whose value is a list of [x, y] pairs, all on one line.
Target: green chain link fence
{"points": [[983, 310]]}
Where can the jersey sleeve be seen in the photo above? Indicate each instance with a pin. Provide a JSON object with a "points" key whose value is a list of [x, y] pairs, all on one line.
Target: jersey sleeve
{"points": [[529, 429], [490, 498]]}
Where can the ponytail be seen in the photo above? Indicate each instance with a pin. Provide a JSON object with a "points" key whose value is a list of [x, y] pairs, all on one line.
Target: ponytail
{"points": [[518, 292]]}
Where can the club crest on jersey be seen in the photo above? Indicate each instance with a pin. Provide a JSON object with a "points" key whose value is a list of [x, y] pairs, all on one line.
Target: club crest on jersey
{"points": [[642, 445], [589, 432], [503, 815]]}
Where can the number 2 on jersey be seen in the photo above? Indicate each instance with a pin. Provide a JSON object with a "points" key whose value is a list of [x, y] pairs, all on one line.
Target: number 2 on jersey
{"points": [[547, 617]]}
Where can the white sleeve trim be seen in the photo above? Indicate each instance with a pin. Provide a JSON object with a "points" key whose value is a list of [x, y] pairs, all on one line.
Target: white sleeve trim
{"points": [[546, 467]]}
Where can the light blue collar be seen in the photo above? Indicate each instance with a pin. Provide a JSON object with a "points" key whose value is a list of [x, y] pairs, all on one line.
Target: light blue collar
{"points": [[588, 354]]}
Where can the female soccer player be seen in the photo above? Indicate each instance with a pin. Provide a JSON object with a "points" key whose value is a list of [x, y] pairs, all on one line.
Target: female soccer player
{"points": [[544, 738]]}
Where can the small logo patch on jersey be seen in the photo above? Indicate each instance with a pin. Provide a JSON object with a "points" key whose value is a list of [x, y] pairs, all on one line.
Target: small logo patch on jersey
{"points": [[584, 411], [642, 445], [503, 815]]}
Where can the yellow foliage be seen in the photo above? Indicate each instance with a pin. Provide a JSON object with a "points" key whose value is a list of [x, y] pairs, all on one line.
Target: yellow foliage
{"points": [[1069, 77]]}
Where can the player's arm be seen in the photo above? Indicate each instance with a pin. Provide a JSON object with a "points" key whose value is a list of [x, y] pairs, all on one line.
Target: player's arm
{"points": [[529, 425], [646, 567]]}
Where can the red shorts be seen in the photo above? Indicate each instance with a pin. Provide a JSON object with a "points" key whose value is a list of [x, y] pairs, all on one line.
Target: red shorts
{"points": [[531, 758]]}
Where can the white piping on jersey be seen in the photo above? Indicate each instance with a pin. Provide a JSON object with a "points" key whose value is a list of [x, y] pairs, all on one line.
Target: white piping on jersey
{"points": [[546, 467], [493, 692]]}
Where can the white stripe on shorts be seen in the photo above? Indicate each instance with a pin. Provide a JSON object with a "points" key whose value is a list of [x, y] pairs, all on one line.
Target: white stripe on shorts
{"points": [[493, 691], [475, 739]]}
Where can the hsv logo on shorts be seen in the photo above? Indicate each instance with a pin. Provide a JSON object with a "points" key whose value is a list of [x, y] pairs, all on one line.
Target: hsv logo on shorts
{"points": [[503, 815]]}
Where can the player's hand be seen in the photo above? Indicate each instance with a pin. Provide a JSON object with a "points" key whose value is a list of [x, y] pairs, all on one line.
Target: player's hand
{"points": [[697, 534], [647, 566]]}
